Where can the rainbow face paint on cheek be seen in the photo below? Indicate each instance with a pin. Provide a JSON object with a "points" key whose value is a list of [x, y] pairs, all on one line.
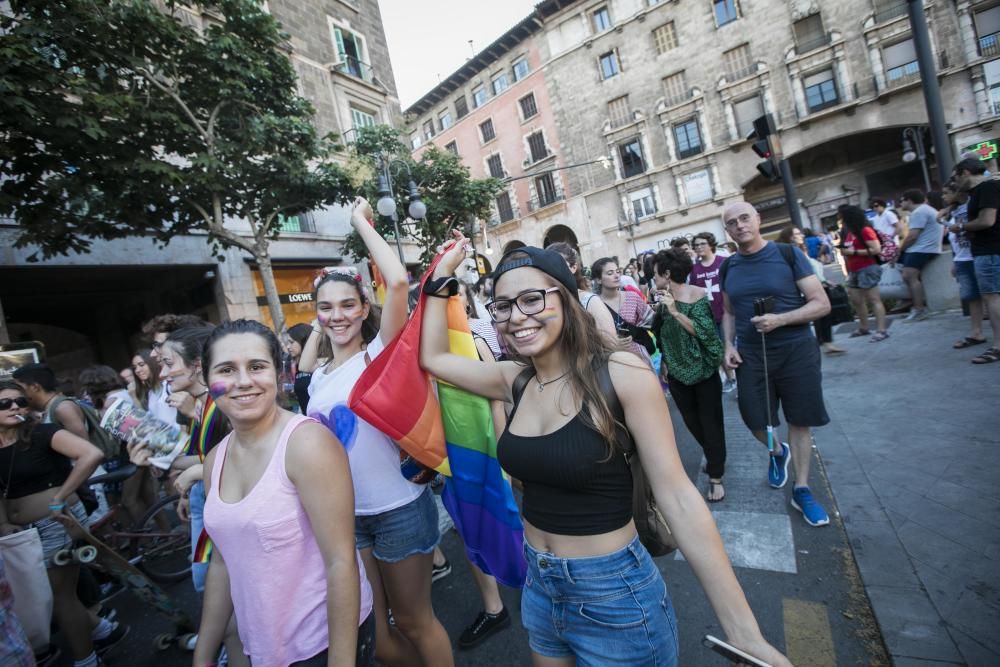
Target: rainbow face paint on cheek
{"points": [[217, 389], [322, 318]]}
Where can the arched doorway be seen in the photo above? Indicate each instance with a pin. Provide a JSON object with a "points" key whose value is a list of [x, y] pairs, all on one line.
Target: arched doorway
{"points": [[560, 233], [512, 245]]}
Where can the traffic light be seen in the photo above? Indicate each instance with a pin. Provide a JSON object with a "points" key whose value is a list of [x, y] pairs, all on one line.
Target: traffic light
{"points": [[761, 140]]}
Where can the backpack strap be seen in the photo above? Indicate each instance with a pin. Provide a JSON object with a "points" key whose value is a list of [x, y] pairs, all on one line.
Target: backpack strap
{"points": [[517, 389], [723, 270], [787, 252], [50, 412]]}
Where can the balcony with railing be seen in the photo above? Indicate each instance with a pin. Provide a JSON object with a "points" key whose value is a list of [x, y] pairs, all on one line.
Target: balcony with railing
{"points": [[672, 100], [903, 74], [741, 73], [885, 11], [989, 45], [812, 43], [543, 200], [354, 67]]}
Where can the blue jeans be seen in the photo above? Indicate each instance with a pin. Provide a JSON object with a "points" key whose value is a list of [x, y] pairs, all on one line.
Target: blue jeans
{"points": [[196, 496], [601, 609]]}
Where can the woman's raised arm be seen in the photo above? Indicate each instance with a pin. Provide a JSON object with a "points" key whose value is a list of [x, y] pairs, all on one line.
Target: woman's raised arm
{"points": [[393, 272]]}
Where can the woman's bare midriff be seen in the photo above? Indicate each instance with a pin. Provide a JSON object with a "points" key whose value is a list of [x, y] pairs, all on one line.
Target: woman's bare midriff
{"points": [[24, 510], [579, 546]]}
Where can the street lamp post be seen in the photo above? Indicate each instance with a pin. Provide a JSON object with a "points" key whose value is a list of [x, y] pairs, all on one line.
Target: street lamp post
{"points": [[913, 149], [386, 205]]}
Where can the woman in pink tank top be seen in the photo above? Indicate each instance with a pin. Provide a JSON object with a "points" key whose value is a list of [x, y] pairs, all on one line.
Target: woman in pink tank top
{"points": [[280, 511]]}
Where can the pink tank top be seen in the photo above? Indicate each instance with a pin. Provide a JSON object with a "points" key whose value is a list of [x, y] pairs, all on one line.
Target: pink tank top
{"points": [[276, 572]]}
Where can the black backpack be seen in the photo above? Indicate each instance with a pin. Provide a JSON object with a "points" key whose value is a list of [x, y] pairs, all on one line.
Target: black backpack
{"points": [[654, 533], [98, 437]]}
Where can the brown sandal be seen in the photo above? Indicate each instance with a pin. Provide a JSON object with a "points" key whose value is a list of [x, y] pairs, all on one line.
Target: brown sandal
{"points": [[714, 484]]}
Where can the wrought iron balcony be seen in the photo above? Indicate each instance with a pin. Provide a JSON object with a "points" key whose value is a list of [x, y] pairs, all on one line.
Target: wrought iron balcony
{"points": [[813, 43], [356, 68], [904, 74], [540, 202], [989, 45], [888, 12]]}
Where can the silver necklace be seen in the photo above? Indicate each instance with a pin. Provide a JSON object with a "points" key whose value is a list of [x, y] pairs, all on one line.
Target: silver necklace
{"points": [[542, 385]]}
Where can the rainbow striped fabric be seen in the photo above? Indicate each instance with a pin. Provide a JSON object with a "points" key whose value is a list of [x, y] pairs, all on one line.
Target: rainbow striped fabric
{"points": [[478, 495]]}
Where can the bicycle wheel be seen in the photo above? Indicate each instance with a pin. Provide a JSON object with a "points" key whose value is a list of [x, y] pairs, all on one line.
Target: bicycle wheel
{"points": [[164, 549]]}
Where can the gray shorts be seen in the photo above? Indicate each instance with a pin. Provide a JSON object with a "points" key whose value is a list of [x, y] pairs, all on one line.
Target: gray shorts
{"points": [[866, 278], [53, 534]]}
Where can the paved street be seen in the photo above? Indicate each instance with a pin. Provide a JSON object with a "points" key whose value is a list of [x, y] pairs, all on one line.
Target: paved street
{"points": [[905, 456]]}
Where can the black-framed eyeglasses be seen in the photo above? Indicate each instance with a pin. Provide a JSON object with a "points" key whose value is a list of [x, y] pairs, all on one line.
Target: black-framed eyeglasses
{"points": [[530, 302], [156, 345], [6, 403]]}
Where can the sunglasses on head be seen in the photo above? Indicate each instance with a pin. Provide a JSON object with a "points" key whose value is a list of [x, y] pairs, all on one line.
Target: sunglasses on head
{"points": [[6, 403]]}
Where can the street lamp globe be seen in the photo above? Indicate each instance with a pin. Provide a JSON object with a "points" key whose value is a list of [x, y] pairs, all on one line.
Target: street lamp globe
{"points": [[417, 209], [386, 206], [909, 155]]}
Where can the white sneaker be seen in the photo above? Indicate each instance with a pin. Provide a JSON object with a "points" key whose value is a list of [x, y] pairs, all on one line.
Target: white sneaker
{"points": [[916, 315], [728, 385]]}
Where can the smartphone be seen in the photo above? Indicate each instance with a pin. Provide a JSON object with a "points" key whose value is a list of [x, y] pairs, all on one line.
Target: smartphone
{"points": [[731, 652], [763, 306]]}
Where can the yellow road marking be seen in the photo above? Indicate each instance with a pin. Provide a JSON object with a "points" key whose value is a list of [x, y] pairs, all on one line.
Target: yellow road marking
{"points": [[808, 639]]}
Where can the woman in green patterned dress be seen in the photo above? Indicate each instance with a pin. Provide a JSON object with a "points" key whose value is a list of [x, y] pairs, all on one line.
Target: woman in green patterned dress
{"points": [[687, 338]]}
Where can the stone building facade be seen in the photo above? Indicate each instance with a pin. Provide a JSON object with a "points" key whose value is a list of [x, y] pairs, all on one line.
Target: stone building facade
{"points": [[668, 91], [88, 307]]}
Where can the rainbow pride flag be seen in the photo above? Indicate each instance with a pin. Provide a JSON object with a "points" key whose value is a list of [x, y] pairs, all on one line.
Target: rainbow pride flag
{"points": [[478, 495]]}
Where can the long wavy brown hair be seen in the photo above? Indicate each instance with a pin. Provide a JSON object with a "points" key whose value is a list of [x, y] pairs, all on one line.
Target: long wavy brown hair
{"points": [[586, 350]]}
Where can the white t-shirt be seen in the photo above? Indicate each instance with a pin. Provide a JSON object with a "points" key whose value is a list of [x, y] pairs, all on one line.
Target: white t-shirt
{"points": [[374, 458], [885, 223], [158, 406]]}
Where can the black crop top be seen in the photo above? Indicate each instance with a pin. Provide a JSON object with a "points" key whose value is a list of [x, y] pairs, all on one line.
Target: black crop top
{"points": [[569, 487], [35, 468]]}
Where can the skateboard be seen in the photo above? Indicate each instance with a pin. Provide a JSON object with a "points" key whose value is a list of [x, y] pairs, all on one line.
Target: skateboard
{"points": [[131, 578]]}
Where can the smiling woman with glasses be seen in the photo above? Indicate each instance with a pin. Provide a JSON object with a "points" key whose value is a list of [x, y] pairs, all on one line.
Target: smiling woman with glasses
{"points": [[566, 447]]}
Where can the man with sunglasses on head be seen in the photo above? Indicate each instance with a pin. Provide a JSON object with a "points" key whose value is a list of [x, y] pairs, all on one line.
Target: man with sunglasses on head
{"points": [[156, 331]]}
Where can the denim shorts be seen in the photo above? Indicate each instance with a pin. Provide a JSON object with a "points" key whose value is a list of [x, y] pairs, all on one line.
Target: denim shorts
{"points": [[968, 287], [917, 260], [988, 273], [865, 278], [402, 532], [53, 534], [196, 497], [611, 609]]}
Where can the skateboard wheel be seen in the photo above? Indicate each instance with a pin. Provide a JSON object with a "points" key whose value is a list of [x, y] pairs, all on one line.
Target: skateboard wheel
{"points": [[87, 554], [62, 557], [163, 642]]}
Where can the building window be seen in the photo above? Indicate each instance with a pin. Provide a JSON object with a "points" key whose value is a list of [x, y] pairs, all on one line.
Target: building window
{"points": [[444, 120], [900, 62], [520, 69], [537, 147], [675, 89], [360, 119], [618, 111], [428, 130], [665, 37], [452, 147], [726, 11], [504, 209], [500, 83], [601, 19], [545, 187], [988, 31], [746, 112], [609, 65], [809, 34], [886, 10], [495, 165], [737, 62], [486, 130], [991, 71], [688, 138], [821, 91], [643, 203], [698, 186], [415, 142], [351, 54], [461, 107], [630, 153], [528, 106], [478, 97], [303, 222]]}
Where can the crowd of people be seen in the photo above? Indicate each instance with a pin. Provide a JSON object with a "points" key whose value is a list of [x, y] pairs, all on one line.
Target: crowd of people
{"points": [[278, 470]]}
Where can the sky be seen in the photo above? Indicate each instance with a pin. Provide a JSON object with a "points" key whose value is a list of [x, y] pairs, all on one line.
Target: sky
{"points": [[429, 39]]}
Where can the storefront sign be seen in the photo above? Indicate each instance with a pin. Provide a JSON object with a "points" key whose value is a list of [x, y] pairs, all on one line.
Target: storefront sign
{"points": [[987, 150], [15, 355]]}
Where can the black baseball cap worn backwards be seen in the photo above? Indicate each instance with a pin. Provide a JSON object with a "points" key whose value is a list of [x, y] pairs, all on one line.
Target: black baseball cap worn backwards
{"points": [[548, 262]]}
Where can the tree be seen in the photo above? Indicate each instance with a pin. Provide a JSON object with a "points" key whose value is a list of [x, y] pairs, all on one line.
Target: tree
{"points": [[452, 196], [118, 119]]}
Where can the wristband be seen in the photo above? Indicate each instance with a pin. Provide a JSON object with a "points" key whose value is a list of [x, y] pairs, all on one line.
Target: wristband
{"points": [[56, 507], [433, 287]]}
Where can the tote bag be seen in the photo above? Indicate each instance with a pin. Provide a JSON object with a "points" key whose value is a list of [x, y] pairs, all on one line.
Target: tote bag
{"points": [[891, 286], [25, 566]]}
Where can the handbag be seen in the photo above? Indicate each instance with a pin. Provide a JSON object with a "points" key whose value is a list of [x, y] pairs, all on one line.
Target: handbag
{"points": [[840, 305], [25, 570], [891, 285]]}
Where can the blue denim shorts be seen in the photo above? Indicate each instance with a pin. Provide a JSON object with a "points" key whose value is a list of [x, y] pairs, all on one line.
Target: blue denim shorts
{"points": [[196, 496], [988, 273], [968, 287], [402, 532], [601, 609], [917, 260]]}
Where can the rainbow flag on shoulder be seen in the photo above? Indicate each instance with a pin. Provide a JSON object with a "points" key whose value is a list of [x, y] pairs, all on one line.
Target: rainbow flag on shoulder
{"points": [[453, 435]]}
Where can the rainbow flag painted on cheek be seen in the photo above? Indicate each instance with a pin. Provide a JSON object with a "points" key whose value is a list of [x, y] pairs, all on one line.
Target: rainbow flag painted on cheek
{"points": [[453, 436]]}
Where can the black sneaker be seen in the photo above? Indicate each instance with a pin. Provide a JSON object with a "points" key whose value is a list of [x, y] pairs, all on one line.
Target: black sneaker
{"points": [[484, 627], [440, 571], [102, 646], [107, 613]]}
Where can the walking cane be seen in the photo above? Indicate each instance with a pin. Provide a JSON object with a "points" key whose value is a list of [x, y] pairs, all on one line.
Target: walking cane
{"points": [[761, 307]]}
